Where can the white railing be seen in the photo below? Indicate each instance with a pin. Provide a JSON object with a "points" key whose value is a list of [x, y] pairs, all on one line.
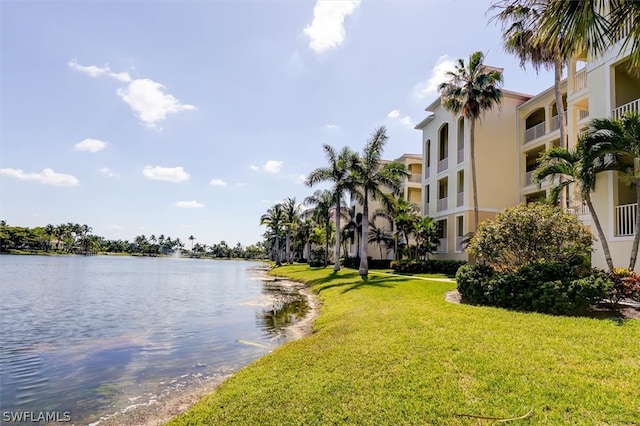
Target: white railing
{"points": [[534, 132], [443, 204], [633, 106], [528, 178], [626, 220], [624, 31], [583, 114], [459, 244], [460, 155], [580, 80], [426, 172], [579, 210], [443, 164], [415, 178], [442, 246], [555, 122], [460, 199]]}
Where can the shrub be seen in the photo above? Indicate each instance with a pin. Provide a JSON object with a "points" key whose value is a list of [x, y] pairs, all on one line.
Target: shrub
{"points": [[431, 266], [625, 285], [553, 288], [529, 234]]}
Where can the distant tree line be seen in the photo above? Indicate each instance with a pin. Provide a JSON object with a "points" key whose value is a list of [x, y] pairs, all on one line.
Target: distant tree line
{"points": [[70, 238]]}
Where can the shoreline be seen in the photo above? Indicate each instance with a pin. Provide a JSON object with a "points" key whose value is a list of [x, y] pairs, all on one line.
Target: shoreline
{"points": [[160, 410]]}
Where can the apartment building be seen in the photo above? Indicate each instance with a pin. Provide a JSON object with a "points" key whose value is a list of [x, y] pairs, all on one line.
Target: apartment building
{"points": [[446, 184], [509, 142]]}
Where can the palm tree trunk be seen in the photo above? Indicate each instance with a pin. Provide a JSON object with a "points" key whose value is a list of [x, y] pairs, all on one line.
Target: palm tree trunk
{"points": [[336, 266], [288, 246], [326, 243], [636, 238], [603, 240], [277, 251], [561, 117], [364, 264], [474, 182]]}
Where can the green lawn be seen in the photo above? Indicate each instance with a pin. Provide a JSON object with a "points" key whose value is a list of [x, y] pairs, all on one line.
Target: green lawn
{"points": [[392, 351]]}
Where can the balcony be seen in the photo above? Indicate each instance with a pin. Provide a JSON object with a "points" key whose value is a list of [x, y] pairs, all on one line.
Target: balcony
{"points": [[460, 155], [633, 106], [427, 170], [580, 80], [443, 204], [534, 132], [555, 122], [460, 199], [442, 246], [426, 209], [459, 244], [414, 178], [625, 220], [443, 164], [578, 210], [528, 178], [583, 114]]}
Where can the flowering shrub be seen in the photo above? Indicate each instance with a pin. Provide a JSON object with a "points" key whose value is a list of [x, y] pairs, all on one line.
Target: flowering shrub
{"points": [[625, 285]]}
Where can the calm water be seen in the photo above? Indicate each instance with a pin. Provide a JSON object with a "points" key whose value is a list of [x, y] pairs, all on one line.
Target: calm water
{"points": [[93, 335]]}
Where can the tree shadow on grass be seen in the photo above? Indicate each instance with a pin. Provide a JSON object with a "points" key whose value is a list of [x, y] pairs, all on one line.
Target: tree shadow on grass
{"points": [[353, 283]]}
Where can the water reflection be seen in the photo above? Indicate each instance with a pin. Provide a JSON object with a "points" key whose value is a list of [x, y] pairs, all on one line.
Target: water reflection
{"points": [[287, 307]]}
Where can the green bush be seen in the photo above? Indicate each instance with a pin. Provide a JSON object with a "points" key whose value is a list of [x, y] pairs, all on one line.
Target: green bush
{"points": [[553, 288], [431, 266]]}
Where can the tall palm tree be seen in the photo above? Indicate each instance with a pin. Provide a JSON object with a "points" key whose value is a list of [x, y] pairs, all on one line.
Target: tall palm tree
{"points": [[575, 168], [402, 215], [354, 227], [521, 21], [371, 176], [49, 230], [619, 138], [274, 219], [472, 90], [322, 203], [338, 173], [291, 218], [191, 238]]}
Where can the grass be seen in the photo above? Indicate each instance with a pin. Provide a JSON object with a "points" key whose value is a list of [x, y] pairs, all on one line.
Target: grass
{"points": [[391, 350]]}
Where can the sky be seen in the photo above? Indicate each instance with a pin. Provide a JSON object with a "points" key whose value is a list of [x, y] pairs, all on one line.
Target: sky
{"points": [[194, 117]]}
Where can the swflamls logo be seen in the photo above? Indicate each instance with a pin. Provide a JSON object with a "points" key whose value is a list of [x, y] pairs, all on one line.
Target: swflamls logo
{"points": [[35, 416]]}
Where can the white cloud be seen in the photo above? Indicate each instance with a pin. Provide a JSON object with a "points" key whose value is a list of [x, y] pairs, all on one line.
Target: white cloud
{"points": [[331, 126], [429, 88], [405, 121], [241, 184], [94, 71], [394, 114], [217, 182], [171, 174], [46, 176], [301, 178], [108, 172], [271, 166], [189, 205], [326, 31], [115, 227], [149, 102], [90, 145]]}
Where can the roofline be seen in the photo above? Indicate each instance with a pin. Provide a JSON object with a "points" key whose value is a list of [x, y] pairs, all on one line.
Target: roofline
{"points": [[543, 93], [423, 123]]}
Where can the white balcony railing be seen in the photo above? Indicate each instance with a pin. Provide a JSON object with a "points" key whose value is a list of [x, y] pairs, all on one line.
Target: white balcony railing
{"points": [[555, 122], [528, 178], [583, 114], [442, 246], [415, 178], [460, 155], [443, 204], [625, 218], [580, 80], [443, 164], [578, 209], [460, 199], [534, 132], [624, 31], [427, 170], [459, 244], [633, 106]]}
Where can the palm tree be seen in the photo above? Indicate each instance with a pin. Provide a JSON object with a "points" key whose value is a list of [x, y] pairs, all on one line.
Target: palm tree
{"points": [[354, 227], [426, 235], [49, 231], [322, 203], [191, 238], [338, 173], [379, 236], [575, 169], [472, 90], [620, 138], [291, 217], [274, 219], [402, 215], [371, 175]]}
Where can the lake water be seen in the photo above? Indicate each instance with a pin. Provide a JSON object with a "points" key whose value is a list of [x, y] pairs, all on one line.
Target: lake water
{"points": [[90, 336]]}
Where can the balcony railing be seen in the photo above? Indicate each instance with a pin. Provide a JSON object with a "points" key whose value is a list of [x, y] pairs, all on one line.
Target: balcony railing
{"points": [[578, 209], [528, 178], [427, 170], [580, 80], [633, 106], [534, 132], [583, 114], [426, 209], [443, 164], [443, 204], [555, 122], [460, 199], [442, 246], [415, 178], [460, 155], [624, 31], [459, 244], [625, 218]]}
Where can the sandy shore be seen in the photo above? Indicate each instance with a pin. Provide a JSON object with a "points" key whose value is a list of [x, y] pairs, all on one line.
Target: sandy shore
{"points": [[159, 410]]}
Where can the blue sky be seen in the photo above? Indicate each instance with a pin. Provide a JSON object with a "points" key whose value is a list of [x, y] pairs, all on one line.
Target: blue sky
{"points": [[194, 117]]}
